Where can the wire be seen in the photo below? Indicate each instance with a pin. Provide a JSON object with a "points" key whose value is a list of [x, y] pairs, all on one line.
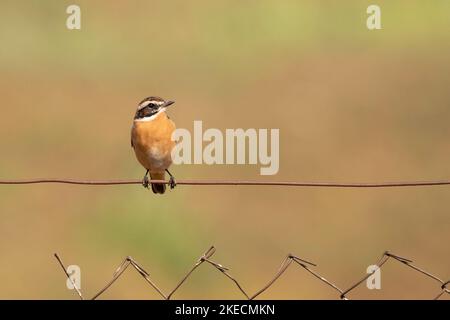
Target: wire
{"points": [[234, 183], [287, 262]]}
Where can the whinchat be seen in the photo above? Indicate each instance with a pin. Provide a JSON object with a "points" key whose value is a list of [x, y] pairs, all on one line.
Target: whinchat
{"points": [[151, 139]]}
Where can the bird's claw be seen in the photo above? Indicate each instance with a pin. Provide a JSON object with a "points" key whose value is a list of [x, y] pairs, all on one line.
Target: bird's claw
{"points": [[145, 182], [172, 182]]}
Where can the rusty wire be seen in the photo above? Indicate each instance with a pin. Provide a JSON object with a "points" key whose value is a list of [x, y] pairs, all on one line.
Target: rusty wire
{"points": [[234, 183], [286, 263]]}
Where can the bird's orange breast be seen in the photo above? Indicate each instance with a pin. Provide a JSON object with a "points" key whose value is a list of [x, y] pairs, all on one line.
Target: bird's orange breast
{"points": [[152, 142]]}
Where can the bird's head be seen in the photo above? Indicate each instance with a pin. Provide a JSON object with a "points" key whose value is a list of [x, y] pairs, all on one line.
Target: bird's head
{"points": [[150, 107]]}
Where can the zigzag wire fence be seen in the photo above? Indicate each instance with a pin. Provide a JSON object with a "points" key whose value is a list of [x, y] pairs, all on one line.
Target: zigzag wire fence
{"points": [[286, 263]]}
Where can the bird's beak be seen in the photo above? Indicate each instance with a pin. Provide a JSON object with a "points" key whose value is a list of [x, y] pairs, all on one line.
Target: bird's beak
{"points": [[167, 103]]}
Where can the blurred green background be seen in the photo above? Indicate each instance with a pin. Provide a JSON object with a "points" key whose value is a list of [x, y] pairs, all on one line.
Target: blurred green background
{"points": [[351, 105]]}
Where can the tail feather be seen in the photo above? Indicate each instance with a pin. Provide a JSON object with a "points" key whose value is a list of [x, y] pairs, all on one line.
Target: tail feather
{"points": [[158, 187]]}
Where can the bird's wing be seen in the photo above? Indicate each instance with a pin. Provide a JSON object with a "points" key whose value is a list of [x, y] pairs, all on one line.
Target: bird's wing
{"points": [[131, 138]]}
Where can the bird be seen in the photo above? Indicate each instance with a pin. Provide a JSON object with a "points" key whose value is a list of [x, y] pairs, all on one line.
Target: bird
{"points": [[151, 139]]}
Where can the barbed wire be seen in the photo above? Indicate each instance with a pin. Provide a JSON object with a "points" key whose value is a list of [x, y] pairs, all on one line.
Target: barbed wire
{"points": [[227, 182], [286, 263]]}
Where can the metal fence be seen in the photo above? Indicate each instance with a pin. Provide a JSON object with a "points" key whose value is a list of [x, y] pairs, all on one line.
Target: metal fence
{"points": [[441, 285]]}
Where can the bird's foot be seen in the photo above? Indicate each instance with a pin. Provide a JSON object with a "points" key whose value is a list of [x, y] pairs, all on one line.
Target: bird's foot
{"points": [[145, 182], [172, 182]]}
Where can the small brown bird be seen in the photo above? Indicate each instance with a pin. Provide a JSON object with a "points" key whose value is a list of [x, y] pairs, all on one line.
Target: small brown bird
{"points": [[151, 139]]}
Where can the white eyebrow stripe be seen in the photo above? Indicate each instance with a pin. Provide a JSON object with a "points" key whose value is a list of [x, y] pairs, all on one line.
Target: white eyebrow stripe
{"points": [[158, 102], [146, 103], [143, 104]]}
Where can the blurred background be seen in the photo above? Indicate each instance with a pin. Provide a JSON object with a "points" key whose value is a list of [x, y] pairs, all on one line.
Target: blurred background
{"points": [[351, 105]]}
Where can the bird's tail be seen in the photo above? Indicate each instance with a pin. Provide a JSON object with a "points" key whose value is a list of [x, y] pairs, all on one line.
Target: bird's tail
{"points": [[158, 187]]}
